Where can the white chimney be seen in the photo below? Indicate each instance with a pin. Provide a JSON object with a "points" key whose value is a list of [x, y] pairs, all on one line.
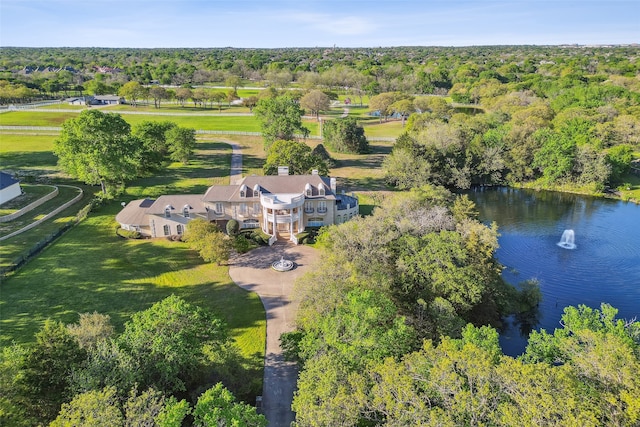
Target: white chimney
{"points": [[283, 170], [314, 172], [333, 185]]}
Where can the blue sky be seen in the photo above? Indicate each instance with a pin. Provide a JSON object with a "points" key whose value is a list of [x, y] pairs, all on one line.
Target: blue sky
{"points": [[308, 23]]}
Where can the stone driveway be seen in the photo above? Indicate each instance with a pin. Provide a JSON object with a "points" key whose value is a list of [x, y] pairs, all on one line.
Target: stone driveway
{"points": [[252, 271]]}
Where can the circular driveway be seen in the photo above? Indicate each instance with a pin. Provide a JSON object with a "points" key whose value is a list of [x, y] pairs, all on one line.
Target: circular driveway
{"points": [[252, 271]]}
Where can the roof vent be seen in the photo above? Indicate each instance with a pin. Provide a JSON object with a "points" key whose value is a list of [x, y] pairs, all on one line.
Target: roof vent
{"points": [[314, 172]]}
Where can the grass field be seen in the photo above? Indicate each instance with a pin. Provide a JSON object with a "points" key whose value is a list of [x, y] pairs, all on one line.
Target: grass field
{"points": [[91, 269]]}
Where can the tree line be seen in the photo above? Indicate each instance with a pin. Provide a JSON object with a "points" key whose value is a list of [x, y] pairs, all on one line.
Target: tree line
{"points": [[393, 330], [102, 149]]}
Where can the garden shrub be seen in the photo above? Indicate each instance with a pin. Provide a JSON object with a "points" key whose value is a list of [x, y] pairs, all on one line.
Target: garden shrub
{"points": [[233, 227]]}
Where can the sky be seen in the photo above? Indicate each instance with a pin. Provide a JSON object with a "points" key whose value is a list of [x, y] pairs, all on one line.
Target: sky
{"points": [[321, 23]]}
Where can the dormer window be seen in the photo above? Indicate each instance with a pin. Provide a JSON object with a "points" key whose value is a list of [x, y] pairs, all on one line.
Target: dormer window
{"points": [[185, 211], [167, 211], [321, 189], [307, 190], [256, 190], [243, 191]]}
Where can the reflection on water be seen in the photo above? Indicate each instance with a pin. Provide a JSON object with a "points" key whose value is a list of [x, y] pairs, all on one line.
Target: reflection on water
{"points": [[604, 266]]}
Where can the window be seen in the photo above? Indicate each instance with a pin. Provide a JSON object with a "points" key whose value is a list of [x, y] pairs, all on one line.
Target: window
{"points": [[179, 229], [321, 189], [167, 211], [307, 190], [243, 208], [185, 211], [256, 208], [315, 222], [308, 207], [242, 193], [219, 208], [166, 229], [322, 207]]}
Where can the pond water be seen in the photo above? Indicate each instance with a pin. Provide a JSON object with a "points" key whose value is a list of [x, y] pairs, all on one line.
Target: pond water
{"points": [[602, 266]]}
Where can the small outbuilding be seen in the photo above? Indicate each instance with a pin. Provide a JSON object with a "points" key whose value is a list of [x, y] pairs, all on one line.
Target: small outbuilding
{"points": [[9, 187]]}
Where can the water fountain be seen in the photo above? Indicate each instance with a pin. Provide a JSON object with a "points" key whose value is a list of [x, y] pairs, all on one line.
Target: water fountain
{"points": [[567, 241], [282, 265]]}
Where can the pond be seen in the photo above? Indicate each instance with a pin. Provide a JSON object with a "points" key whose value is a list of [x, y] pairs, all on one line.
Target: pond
{"points": [[602, 266]]}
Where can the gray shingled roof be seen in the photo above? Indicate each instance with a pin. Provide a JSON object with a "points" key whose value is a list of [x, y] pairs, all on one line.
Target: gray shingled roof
{"points": [[135, 212], [274, 184], [177, 201]]}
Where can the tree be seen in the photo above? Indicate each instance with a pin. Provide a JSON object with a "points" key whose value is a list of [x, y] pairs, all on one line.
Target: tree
{"points": [[218, 407], [382, 103], [169, 342], [233, 82], [181, 142], [298, 156], [403, 108], [250, 102], [182, 94], [153, 135], [48, 367], [159, 94], [315, 101], [132, 91], [208, 240], [280, 118], [98, 148], [91, 328], [94, 408], [345, 136]]}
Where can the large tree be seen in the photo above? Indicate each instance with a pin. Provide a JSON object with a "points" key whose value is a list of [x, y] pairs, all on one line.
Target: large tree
{"points": [[345, 136], [132, 91], [280, 118], [315, 101], [181, 142], [98, 148], [298, 156]]}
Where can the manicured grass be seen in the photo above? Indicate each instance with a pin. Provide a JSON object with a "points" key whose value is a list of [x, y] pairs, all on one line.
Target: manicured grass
{"points": [[33, 118], [390, 129], [91, 269], [30, 193], [19, 246], [65, 194], [29, 154]]}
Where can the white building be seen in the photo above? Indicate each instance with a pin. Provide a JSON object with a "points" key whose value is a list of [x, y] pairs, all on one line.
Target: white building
{"points": [[280, 205]]}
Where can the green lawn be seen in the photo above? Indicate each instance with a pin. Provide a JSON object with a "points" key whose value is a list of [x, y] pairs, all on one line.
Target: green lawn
{"points": [[91, 269], [30, 194]]}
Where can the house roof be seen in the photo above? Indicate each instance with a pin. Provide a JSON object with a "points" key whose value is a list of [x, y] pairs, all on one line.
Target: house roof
{"points": [[107, 98], [270, 184], [7, 180], [177, 202], [134, 213]]}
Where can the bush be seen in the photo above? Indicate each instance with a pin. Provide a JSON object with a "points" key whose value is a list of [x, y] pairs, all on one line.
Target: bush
{"points": [[242, 245], [233, 227], [128, 234]]}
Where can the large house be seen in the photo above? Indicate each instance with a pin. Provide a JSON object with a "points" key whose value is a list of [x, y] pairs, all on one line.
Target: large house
{"points": [[9, 187], [280, 205]]}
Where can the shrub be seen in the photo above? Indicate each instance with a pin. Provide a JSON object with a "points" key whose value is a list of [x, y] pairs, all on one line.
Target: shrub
{"points": [[233, 227], [241, 244]]}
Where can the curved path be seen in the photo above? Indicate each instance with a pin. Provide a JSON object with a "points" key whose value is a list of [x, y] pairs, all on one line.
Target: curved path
{"points": [[252, 271]]}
